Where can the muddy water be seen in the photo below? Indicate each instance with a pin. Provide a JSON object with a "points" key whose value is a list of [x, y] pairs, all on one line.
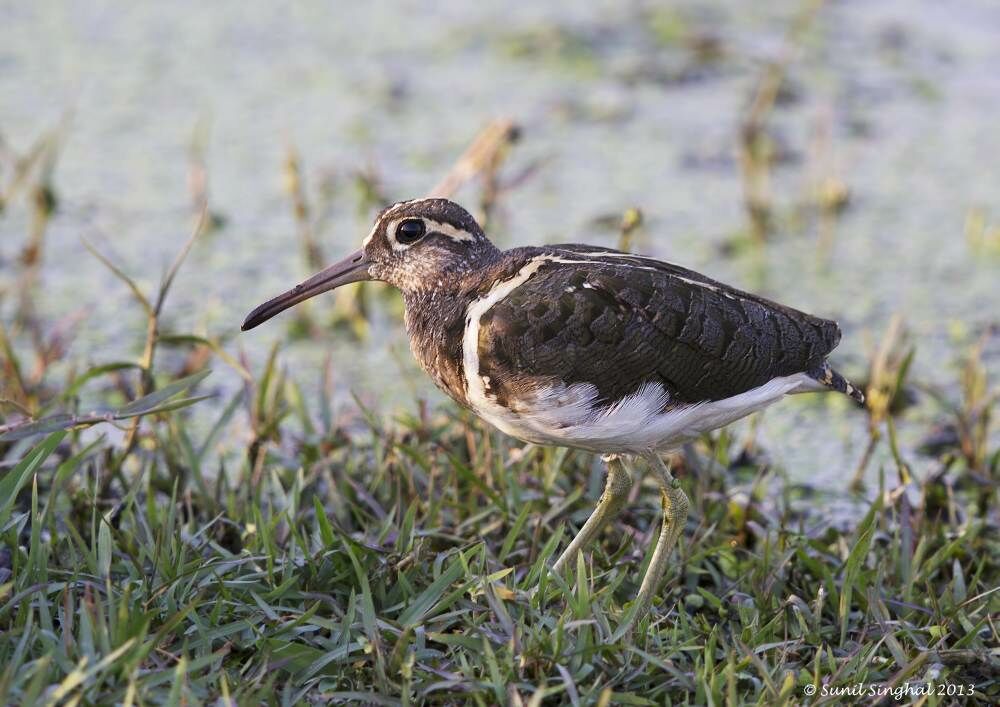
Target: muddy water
{"points": [[622, 104]]}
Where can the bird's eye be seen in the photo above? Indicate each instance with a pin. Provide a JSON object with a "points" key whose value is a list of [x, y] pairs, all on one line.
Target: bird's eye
{"points": [[411, 230]]}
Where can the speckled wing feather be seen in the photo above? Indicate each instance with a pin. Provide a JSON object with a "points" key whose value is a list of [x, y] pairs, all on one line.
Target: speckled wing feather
{"points": [[618, 321]]}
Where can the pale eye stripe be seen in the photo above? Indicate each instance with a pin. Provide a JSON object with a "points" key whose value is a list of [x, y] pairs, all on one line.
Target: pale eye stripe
{"points": [[445, 229]]}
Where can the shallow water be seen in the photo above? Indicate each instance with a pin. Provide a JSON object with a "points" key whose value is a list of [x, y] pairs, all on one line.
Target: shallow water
{"points": [[610, 97]]}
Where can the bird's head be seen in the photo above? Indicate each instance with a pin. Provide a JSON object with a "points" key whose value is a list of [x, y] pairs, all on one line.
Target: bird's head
{"points": [[414, 245]]}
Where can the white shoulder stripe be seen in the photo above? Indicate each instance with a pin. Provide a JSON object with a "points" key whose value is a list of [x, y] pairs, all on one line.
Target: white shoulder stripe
{"points": [[475, 389], [614, 254]]}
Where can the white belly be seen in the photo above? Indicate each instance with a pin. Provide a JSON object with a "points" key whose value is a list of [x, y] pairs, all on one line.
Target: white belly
{"points": [[568, 416]]}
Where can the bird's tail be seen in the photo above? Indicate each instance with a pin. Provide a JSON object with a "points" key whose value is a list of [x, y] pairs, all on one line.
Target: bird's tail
{"points": [[829, 378]]}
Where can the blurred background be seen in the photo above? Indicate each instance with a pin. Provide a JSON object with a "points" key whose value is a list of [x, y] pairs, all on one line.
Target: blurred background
{"points": [[840, 157]]}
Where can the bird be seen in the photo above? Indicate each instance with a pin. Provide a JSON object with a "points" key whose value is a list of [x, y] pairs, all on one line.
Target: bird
{"points": [[586, 347]]}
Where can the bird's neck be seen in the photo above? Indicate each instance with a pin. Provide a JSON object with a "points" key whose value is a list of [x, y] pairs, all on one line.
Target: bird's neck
{"points": [[435, 323]]}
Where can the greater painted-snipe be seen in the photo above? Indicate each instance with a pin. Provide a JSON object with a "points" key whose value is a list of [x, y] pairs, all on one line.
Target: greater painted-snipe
{"points": [[584, 347]]}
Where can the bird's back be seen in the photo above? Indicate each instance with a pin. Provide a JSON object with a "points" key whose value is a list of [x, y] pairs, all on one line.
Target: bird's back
{"points": [[619, 322]]}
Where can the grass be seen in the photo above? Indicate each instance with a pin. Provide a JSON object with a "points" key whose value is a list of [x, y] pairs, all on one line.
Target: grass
{"points": [[292, 552], [406, 562]]}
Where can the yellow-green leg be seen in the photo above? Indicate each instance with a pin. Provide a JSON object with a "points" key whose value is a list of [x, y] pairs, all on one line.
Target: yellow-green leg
{"points": [[616, 488], [675, 512]]}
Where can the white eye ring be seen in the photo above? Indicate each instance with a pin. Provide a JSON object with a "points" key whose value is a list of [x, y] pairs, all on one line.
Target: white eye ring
{"points": [[398, 242]]}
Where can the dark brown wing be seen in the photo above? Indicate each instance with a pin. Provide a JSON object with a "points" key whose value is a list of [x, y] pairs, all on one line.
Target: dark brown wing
{"points": [[620, 321]]}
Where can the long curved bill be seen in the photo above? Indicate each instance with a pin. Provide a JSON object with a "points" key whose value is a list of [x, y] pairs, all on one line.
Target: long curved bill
{"points": [[353, 268]]}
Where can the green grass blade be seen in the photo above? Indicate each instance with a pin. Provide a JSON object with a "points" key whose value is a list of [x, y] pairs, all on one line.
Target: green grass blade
{"points": [[15, 479]]}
